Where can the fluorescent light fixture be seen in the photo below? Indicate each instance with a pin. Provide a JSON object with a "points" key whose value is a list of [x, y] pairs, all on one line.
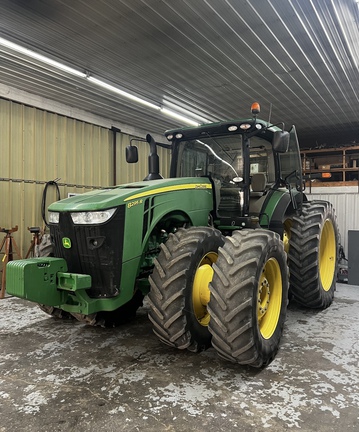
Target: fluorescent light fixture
{"points": [[168, 112], [185, 112], [40, 57], [122, 93], [177, 116], [164, 110]]}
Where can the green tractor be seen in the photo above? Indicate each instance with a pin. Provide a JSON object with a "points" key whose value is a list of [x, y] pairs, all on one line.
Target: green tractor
{"points": [[219, 247]]}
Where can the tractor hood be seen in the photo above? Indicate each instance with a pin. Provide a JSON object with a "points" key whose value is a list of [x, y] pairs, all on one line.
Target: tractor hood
{"points": [[127, 193]]}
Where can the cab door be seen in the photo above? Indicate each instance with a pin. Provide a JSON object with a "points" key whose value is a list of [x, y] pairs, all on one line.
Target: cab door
{"points": [[291, 168]]}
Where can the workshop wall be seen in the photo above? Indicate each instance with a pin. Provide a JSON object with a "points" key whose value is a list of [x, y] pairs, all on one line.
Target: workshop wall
{"points": [[38, 146]]}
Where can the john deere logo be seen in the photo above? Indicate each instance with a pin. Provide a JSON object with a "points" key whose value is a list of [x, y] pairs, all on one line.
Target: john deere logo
{"points": [[66, 243]]}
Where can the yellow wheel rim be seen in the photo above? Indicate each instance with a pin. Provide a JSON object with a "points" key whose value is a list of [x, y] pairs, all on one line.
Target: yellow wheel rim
{"points": [[200, 291], [286, 234], [269, 298], [327, 255]]}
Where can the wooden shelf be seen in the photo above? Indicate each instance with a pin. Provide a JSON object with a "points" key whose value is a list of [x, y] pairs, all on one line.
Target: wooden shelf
{"points": [[316, 184], [342, 163]]}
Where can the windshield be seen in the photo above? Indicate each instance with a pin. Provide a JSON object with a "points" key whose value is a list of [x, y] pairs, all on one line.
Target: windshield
{"points": [[222, 158], [262, 159], [216, 157]]}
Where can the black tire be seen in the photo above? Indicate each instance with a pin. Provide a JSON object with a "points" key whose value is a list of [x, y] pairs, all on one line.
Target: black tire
{"points": [[55, 312], [180, 288], [249, 296], [313, 254]]}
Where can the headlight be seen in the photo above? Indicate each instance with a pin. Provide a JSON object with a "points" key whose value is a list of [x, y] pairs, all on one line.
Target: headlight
{"points": [[245, 126], [94, 217], [54, 217]]}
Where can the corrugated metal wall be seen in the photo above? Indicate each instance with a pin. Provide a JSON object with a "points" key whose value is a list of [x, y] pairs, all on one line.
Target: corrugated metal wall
{"points": [[345, 201], [38, 146]]}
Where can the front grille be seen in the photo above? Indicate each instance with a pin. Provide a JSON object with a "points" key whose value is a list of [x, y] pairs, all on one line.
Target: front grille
{"points": [[95, 250]]}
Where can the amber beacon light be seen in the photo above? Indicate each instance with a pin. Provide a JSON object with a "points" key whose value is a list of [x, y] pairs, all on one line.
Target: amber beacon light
{"points": [[255, 108]]}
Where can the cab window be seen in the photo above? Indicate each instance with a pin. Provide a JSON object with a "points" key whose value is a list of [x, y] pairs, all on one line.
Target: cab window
{"points": [[290, 163]]}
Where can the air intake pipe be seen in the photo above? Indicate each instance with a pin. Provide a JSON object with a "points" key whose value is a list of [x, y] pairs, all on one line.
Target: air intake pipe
{"points": [[153, 161]]}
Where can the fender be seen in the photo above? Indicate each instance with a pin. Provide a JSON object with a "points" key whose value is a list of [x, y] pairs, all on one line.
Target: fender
{"points": [[275, 208]]}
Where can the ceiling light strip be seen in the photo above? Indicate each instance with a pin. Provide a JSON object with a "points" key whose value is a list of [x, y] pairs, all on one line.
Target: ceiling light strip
{"points": [[122, 93], [27, 52], [177, 116], [40, 57]]}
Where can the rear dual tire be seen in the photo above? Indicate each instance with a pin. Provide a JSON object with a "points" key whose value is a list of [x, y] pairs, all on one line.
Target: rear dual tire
{"points": [[313, 255]]}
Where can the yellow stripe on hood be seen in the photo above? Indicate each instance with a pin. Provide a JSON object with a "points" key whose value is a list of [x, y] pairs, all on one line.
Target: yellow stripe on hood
{"points": [[169, 189]]}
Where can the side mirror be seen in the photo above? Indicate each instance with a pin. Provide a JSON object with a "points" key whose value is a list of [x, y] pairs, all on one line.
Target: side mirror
{"points": [[280, 141], [131, 154]]}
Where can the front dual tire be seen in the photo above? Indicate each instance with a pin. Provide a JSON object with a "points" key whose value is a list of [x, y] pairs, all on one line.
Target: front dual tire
{"points": [[243, 313], [249, 293], [180, 287]]}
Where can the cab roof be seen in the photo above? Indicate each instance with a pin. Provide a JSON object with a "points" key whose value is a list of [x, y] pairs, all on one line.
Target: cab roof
{"points": [[248, 126]]}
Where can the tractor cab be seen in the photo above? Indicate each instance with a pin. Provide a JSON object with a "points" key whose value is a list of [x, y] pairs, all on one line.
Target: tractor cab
{"points": [[247, 160]]}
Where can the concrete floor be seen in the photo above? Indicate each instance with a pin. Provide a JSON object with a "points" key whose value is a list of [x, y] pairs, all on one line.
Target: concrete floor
{"points": [[64, 376]]}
